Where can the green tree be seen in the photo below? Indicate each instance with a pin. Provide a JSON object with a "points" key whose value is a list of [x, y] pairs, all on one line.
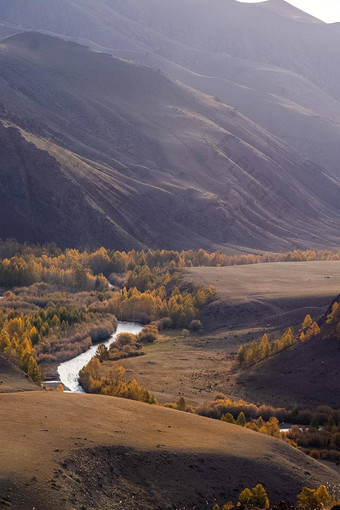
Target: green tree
{"points": [[181, 404], [311, 499], [245, 497], [260, 498], [242, 355], [33, 371], [241, 419], [256, 497], [228, 417]]}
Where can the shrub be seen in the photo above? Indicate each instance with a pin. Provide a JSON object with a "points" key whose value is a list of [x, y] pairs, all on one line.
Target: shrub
{"points": [[125, 339], [165, 323], [195, 325], [149, 333]]}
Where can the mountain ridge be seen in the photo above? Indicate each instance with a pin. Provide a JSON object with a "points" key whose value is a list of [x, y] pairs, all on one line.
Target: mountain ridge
{"points": [[156, 162], [279, 62]]}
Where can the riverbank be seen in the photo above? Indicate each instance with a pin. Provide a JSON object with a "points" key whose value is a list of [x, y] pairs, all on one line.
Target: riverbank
{"points": [[68, 371]]}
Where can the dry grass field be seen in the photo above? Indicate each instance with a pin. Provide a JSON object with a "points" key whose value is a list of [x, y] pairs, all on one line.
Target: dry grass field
{"points": [[278, 293], [68, 451], [12, 379], [71, 451]]}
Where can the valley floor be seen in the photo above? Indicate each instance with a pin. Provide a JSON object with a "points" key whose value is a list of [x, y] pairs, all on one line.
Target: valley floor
{"points": [[64, 451], [251, 300]]}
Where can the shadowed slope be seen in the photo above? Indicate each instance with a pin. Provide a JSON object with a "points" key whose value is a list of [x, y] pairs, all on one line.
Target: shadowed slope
{"points": [[271, 61], [13, 379], [156, 163], [101, 451], [307, 371]]}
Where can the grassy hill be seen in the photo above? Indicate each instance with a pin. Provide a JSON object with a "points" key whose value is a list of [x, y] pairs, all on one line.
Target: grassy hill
{"points": [[278, 294], [304, 373], [144, 160], [103, 452], [12, 379]]}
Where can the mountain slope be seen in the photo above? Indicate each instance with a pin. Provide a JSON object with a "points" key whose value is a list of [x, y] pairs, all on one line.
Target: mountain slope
{"points": [[306, 369], [147, 161], [274, 63]]}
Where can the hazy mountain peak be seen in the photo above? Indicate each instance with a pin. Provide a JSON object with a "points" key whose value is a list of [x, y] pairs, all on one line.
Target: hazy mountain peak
{"points": [[283, 8]]}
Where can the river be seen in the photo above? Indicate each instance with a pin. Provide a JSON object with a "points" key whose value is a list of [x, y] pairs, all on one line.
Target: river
{"points": [[69, 370]]}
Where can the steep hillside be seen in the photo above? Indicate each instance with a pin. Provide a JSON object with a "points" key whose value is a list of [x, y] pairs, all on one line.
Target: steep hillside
{"points": [[145, 160], [305, 371], [102, 452], [274, 63], [39, 202], [13, 379]]}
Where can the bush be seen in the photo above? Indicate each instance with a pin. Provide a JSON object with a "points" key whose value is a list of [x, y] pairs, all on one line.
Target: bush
{"points": [[165, 323], [147, 336], [125, 339], [195, 326]]}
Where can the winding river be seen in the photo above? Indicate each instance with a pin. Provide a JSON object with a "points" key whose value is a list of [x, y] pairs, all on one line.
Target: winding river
{"points": [[69, 370]]}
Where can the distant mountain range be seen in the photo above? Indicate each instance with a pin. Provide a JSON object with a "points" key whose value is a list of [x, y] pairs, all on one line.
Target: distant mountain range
{"points": [[99, 150]]}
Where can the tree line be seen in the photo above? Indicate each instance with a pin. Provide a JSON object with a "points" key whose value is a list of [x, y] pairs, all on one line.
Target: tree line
{"points": [[307, 499], [94, 379], [24, 264], [255, 351]]}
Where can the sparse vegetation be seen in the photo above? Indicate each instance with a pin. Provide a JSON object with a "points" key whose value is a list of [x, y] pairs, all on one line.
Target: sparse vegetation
{"points": [[315, 432], [93, 380], [307, 499], [254, 352]]}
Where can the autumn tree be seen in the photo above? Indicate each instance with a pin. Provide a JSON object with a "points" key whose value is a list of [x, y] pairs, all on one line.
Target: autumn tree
{"points": [[102, 353], [256, 497], [308, 321], [264, 346], [314, 499]]}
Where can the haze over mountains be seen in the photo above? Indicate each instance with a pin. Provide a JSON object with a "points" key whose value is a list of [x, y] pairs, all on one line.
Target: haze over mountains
{"points": [[137, 159]]}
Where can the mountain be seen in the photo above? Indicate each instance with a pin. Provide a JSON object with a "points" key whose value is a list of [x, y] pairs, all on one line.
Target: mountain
{"points": [[272, 62], [99, 150]]}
